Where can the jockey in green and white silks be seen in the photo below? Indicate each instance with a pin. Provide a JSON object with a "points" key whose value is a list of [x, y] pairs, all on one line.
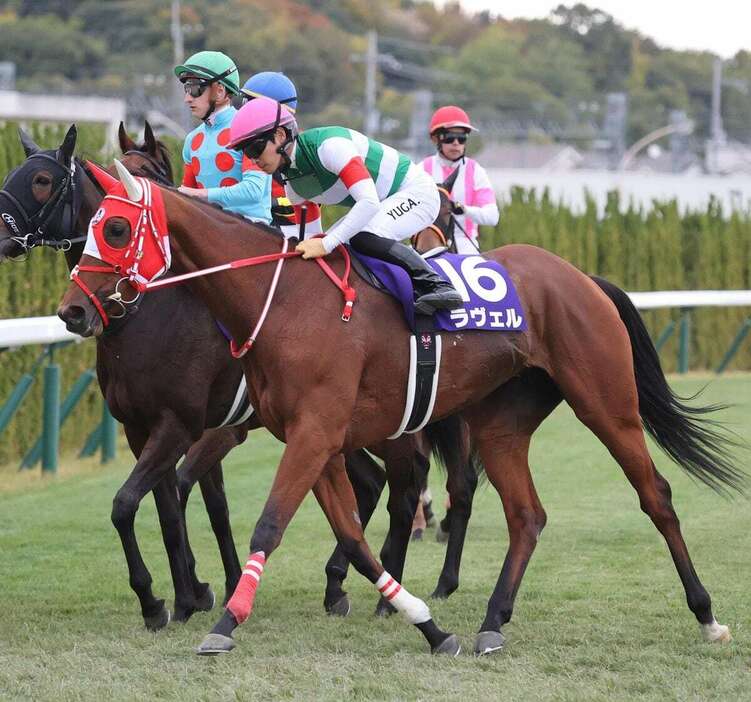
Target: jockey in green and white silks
{"points": [[390, 197]]}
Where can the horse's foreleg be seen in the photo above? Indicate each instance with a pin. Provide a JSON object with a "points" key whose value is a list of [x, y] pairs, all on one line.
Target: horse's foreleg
{"points": [[334, 493], [203, 464], [298, 471], [156, 456], [173, 535], [406, 471], [367, 479]]}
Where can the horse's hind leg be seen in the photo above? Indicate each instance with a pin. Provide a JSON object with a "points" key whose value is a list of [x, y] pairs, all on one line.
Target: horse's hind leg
{"points": [[501, 427], [461, 486], [613, 416]]}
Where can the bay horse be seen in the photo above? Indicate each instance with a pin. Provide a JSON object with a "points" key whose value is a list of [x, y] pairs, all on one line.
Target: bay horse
{"points": [[156, 410], [326, 388]]}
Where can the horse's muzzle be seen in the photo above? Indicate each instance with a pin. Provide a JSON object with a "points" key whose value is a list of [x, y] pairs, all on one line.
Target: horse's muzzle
{"points": [[77, 321]]}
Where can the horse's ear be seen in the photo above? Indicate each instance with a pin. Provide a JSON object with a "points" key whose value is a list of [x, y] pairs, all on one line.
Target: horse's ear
{"points": [[105, 180], [132, 186], [29, 145], [152, 148], [65, 152], [126, 143]]}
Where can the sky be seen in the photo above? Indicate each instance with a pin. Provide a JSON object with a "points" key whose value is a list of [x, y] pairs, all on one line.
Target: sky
{"points": [[720, 26]]}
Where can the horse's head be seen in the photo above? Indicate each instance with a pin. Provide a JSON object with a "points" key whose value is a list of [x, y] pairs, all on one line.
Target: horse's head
{"points": [[40, 198], [127, 245], [440, 234], [150, 159]]}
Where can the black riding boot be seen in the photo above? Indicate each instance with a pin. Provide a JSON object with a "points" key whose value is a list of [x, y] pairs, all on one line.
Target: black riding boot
{"points": [[431, 291]]}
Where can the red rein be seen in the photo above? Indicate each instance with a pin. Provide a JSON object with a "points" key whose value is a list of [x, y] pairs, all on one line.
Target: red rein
{"points": [[348, 292]]}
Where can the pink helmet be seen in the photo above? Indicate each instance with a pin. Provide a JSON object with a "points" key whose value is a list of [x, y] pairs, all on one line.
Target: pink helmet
{"points": [[448, 117], [257, 117]]}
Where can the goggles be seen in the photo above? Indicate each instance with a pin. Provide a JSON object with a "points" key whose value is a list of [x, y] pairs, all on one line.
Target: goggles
{"points": [[451, 137], [195, 87], [253, 148]]}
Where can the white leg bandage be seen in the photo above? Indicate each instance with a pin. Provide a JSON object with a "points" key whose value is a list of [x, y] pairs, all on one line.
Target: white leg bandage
{"points": [[413, 608]]}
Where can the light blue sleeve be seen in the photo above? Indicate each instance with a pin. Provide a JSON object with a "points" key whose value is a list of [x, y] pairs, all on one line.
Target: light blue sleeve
{"points": [[253, 191]]}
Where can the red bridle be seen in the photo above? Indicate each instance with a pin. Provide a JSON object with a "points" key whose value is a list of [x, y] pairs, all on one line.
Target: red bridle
{"points": [[129, 260]]}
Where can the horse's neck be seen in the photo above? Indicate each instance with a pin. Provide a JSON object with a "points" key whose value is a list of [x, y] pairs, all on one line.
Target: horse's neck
{"points": [[199, 241], [90, 201]]}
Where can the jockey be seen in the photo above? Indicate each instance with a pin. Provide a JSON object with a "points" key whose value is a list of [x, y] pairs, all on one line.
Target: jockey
{"points": [[214, 172], [390, 197], [472, 193], [280, 88]]}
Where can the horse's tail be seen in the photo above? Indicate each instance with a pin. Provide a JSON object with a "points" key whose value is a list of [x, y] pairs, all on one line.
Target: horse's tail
{"points": [[450, 443], [698, 444]]}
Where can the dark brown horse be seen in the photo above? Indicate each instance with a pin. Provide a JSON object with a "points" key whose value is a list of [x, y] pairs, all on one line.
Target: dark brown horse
{"points": [[327, 388], [160, 410], [151, 412]]}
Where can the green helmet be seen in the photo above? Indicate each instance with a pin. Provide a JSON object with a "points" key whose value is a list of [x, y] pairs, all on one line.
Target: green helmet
{"points": [[213, 66]]}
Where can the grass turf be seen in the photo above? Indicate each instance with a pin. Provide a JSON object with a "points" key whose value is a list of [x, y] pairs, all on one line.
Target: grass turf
{"points": [[600, 615]]}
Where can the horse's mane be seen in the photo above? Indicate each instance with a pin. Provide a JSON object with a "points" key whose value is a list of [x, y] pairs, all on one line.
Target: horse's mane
{"points": [[221, 215]]}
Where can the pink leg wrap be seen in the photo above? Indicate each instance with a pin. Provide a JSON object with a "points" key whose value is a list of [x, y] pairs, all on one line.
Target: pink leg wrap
{"points": [[240, 604]]}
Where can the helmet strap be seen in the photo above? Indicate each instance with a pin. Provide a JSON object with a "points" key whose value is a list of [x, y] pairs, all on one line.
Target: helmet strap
{"points": [[209, 112], [440, 153], [282, 151]]}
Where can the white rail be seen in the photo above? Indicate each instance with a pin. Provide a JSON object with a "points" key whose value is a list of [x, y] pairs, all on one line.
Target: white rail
{"points": [[34, 330], [49, 330]]}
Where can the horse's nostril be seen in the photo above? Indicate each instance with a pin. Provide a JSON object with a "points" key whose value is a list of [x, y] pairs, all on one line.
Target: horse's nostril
{"points": [[73, 316]]}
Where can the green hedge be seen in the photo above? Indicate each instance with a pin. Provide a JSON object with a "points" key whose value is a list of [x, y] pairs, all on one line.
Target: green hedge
{"points": [[647, 249], [33, 288], [638, 249]]}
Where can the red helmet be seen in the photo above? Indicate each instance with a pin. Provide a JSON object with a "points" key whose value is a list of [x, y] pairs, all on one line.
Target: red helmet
{"points": [[450, 116]]}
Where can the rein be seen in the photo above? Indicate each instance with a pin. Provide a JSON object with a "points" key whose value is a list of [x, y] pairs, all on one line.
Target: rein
{"points": [[348, 292], [147, 227]]}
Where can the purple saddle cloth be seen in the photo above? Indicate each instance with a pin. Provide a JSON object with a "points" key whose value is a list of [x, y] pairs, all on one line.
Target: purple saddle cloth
{"points": [[491, 302]]}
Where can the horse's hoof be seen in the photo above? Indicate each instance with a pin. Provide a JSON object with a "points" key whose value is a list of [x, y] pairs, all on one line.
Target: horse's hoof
{"points": [[716, 633], [206, 602], [450, 646], [384, 608], [487, 642], [159, 620], [441, 536], [214, 644], [340, 608], [416, 535], [182, 614], [442, 593]]}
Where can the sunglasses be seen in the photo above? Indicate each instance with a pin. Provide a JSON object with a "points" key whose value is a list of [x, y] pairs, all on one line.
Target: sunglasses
{"points": [[451, 137], [195, 88], [254, 147]]}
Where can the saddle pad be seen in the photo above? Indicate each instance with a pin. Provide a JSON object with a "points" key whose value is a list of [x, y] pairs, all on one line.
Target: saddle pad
{"points": [[491, 302]]}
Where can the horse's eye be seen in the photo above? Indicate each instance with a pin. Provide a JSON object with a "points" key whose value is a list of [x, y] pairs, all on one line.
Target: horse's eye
{"points": [[42, 180], [117, 232]]}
